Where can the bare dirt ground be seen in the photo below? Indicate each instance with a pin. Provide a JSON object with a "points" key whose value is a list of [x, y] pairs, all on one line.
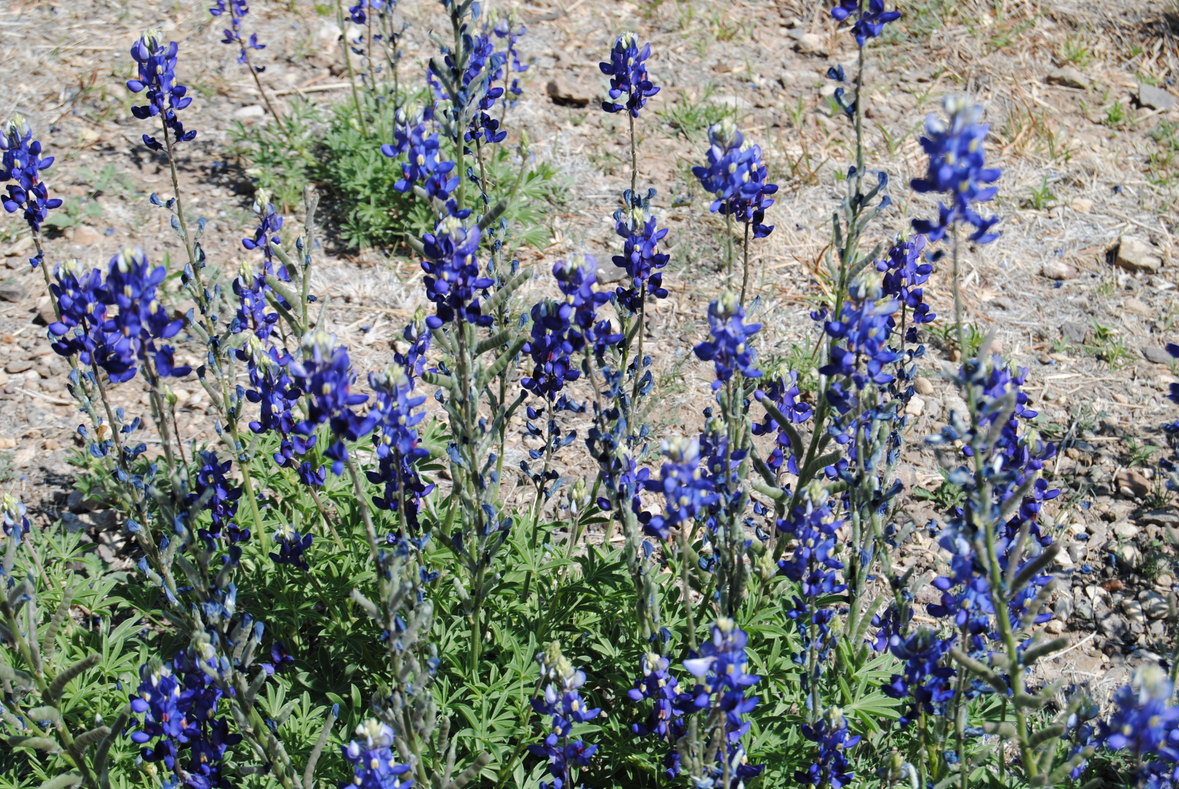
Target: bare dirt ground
{"points": [[1082, 98]]}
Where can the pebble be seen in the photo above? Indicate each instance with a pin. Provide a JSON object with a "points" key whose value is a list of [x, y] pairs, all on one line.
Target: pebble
{"points": [[1138, 307], [564, 92], [11, 291], [922, 386], [1134, 254], [251, 113], [1130, 482], [85, 236], [1068, 77], [1082, 205], [1157, 355], [1058, 270], [18, 366], [1126, 531], [1154, 605], [915, 406], [811, 44], [1156, 98]]}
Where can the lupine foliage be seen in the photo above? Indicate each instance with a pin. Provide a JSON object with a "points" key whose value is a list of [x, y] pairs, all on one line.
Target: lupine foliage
{"points": [[337, 582]]}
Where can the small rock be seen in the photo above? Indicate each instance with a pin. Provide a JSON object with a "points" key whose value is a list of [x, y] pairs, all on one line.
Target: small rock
{"points": [[915, 406], [17, 366], [922, 386], [1058, 270], [1081, 205], [1137, 306], [1134, 254], [45, 314], [811, 44], [1054, 626], [251, 113], [1157, 355], [1156, 98], [1074, 331], [85, 236], [1154, 605], [1068, 77], [1125, 531], [1133, 611], [565, 93], [11, 291], [1130, 482], [1164, 581]]}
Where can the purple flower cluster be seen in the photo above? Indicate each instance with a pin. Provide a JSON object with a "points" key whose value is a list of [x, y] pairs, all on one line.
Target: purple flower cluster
{"points": [[398, 445], [423, 165], [1145, 724], [721, 688], [215, 493], [237, 9], [452, 274], [957, 169], [325, 377], [374, 764], [663, 689], [253, 293], [14, 521], [903, 275], [869, 18], [735, 176], [926, 675], [157, 80], [561, 704], [292, 548], [831, 767], [181, 730], [22, 165], [729, 349], [781, 392], [640, 258], [115, 323], [627, 70], [687, 491]]}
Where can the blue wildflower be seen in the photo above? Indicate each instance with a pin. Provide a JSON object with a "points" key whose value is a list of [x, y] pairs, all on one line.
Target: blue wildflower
{"points": [[423, 165], [562, 705], [735, 176], [237, 9], [627, 71], [729, 349], [452, 274], [831, 767], [687, 491], [326, 377], [640, 258], [398, 445], [374, 763], [925, 677], [904, 273], [292, 548], [157, 80], [957, 169], [22, 164], [870, 17]]}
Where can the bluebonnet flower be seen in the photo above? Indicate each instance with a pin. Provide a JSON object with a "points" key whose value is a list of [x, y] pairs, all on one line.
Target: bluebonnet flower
{"points": [[550, 346], [292, 548], [452, 274], [157, 80], [870, 17], [957, 169], [398, 445], [1145, 723], [266, 234], [237, 9], [371, 755], [735, 176], [904, 273], [14, 520], [658, 685], [326, 377], [273, 388], [507, 27], [180, 726], [861, 331], [781, 391], [562, 705], [576, 282], [22, 164], [627, 70], [216, 494], [925, 678], [423, 165], [687, 491], [117, 340], [640, 258], [729, 349], [812, 528], [719, 669], [831, 767]]}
